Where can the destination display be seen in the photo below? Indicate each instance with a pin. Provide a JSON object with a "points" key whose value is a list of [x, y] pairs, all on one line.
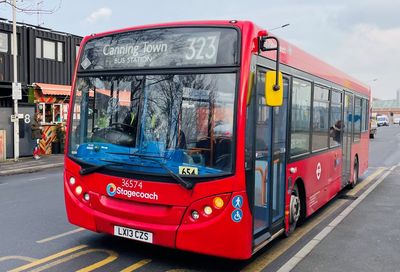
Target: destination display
{"points": [[161, 48]]}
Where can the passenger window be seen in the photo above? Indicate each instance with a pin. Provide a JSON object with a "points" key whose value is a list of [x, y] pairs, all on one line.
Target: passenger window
{"points": [[364, 116], [336, 125], [300, 122], [357, 119], [320, 118]]}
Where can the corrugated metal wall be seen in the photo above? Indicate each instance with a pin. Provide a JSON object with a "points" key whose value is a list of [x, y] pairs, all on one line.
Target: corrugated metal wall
{"points": [[52, 71], [6, 59], [33, 69]]}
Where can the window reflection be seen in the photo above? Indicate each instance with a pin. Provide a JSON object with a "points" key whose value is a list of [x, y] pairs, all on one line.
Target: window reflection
{"points": [[300, 123], [320, 118], [157, 115], [337, 124]]}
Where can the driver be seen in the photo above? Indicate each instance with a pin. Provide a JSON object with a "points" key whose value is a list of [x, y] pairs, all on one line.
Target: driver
{"points": [[130, 121]]}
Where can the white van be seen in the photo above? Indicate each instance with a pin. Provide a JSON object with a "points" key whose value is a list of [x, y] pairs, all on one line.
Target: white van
{"points": [[382, 120]]}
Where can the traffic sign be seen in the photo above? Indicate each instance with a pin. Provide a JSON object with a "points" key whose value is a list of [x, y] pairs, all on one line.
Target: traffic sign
{"points": [[16, 91]]}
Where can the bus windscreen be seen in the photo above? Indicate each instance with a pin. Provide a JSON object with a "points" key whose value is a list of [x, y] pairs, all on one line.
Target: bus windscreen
{"points": [[162, 48]]}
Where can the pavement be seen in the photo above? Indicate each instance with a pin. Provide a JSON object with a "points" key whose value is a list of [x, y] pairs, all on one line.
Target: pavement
{"points": [[368, 239], [29, 165]]}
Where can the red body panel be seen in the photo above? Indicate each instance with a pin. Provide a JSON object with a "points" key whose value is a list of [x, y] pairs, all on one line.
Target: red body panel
{"points": [[164, 217], [167, 216], [322, 189]]}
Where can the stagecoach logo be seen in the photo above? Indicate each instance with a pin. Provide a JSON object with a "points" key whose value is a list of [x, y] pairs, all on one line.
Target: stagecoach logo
{"points": [[318, 171], [111, 189]]}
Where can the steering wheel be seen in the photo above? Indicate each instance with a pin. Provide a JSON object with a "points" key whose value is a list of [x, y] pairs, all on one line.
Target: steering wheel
{"points": [[121, 126]]}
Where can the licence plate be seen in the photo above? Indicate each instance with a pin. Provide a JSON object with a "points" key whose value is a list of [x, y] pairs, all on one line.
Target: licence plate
{"points": [[133, 234]]}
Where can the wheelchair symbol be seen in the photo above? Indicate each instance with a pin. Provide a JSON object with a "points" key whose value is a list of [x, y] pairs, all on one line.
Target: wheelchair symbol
{"points": [[237, 215]]}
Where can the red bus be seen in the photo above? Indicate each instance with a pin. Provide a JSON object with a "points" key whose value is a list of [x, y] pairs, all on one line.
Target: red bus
{"points": [[175, 137]]}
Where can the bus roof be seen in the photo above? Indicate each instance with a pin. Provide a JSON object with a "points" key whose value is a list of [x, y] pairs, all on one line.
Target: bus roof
{"points": [[290, 55], [295, 57]]}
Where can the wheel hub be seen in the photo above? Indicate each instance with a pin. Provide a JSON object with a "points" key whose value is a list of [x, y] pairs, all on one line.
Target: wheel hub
{"points": [[294, 209]]}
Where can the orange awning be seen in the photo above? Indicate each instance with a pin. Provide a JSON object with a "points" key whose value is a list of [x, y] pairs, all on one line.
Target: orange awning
{"points": [[53, 89]]}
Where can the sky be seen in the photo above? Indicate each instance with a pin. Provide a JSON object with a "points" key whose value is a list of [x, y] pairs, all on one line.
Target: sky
{"points": [[361, 38]]}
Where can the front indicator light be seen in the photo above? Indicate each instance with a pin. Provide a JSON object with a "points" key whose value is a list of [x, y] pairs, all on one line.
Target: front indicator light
{"points": [[208, 210], [195, 215], [78, 190], [218, 202], [72, 181]]}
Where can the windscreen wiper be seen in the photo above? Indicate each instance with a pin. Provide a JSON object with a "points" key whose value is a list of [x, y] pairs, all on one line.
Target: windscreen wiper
{"points": [[181, 181], [92, 169]]}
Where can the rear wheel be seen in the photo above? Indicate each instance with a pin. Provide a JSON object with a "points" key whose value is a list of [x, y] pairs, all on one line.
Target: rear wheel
{"points": [[355, 173]]}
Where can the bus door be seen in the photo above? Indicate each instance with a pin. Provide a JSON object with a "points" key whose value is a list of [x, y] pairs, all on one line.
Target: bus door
{"points": [[268, 174], [347, 137]]}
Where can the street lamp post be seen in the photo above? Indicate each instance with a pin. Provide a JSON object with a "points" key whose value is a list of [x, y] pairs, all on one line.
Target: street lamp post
{"points": [[16, 87]]}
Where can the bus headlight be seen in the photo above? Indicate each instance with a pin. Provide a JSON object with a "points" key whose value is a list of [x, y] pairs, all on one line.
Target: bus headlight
{"points": [[86, 196], [72, 181], [195, 215], [207, 210], [78, 190]]}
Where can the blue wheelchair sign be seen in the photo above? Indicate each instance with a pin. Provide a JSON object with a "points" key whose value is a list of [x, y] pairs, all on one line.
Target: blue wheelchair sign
{"points": [[237, 215]]}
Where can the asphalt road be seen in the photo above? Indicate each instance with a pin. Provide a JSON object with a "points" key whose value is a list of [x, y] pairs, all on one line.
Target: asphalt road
{"points": [[384, 150], [35, 234]]}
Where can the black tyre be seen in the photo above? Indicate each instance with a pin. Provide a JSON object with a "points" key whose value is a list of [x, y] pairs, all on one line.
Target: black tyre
{"points": [[355, 174], [295, 209]]}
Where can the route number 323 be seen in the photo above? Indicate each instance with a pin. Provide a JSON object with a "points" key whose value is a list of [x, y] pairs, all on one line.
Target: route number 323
{"points": [[201, 48]]}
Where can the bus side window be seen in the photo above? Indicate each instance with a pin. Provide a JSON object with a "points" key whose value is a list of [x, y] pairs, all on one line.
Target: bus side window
{"points": [[336, 125]]}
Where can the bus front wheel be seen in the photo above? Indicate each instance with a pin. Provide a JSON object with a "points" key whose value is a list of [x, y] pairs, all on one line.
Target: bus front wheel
{"points": [[295, 208]]}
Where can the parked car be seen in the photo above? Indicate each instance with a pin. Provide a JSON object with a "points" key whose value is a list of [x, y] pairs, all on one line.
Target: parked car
{"points": [[382, 120], [396, 120], [373, 129]]}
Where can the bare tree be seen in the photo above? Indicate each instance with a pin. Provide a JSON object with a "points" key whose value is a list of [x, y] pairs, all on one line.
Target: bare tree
{"points": [[31, 7]]}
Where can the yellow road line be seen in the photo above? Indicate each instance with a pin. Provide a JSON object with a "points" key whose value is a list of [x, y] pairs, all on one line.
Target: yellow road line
{"points": [[49, 258], [22, 258], [136, 265], [271, 255], [367, 181], [59, 235], [112, 256]]}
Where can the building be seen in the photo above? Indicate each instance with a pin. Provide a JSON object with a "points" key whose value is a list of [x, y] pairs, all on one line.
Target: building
{"points": [[390, 108], [46, 62]]}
